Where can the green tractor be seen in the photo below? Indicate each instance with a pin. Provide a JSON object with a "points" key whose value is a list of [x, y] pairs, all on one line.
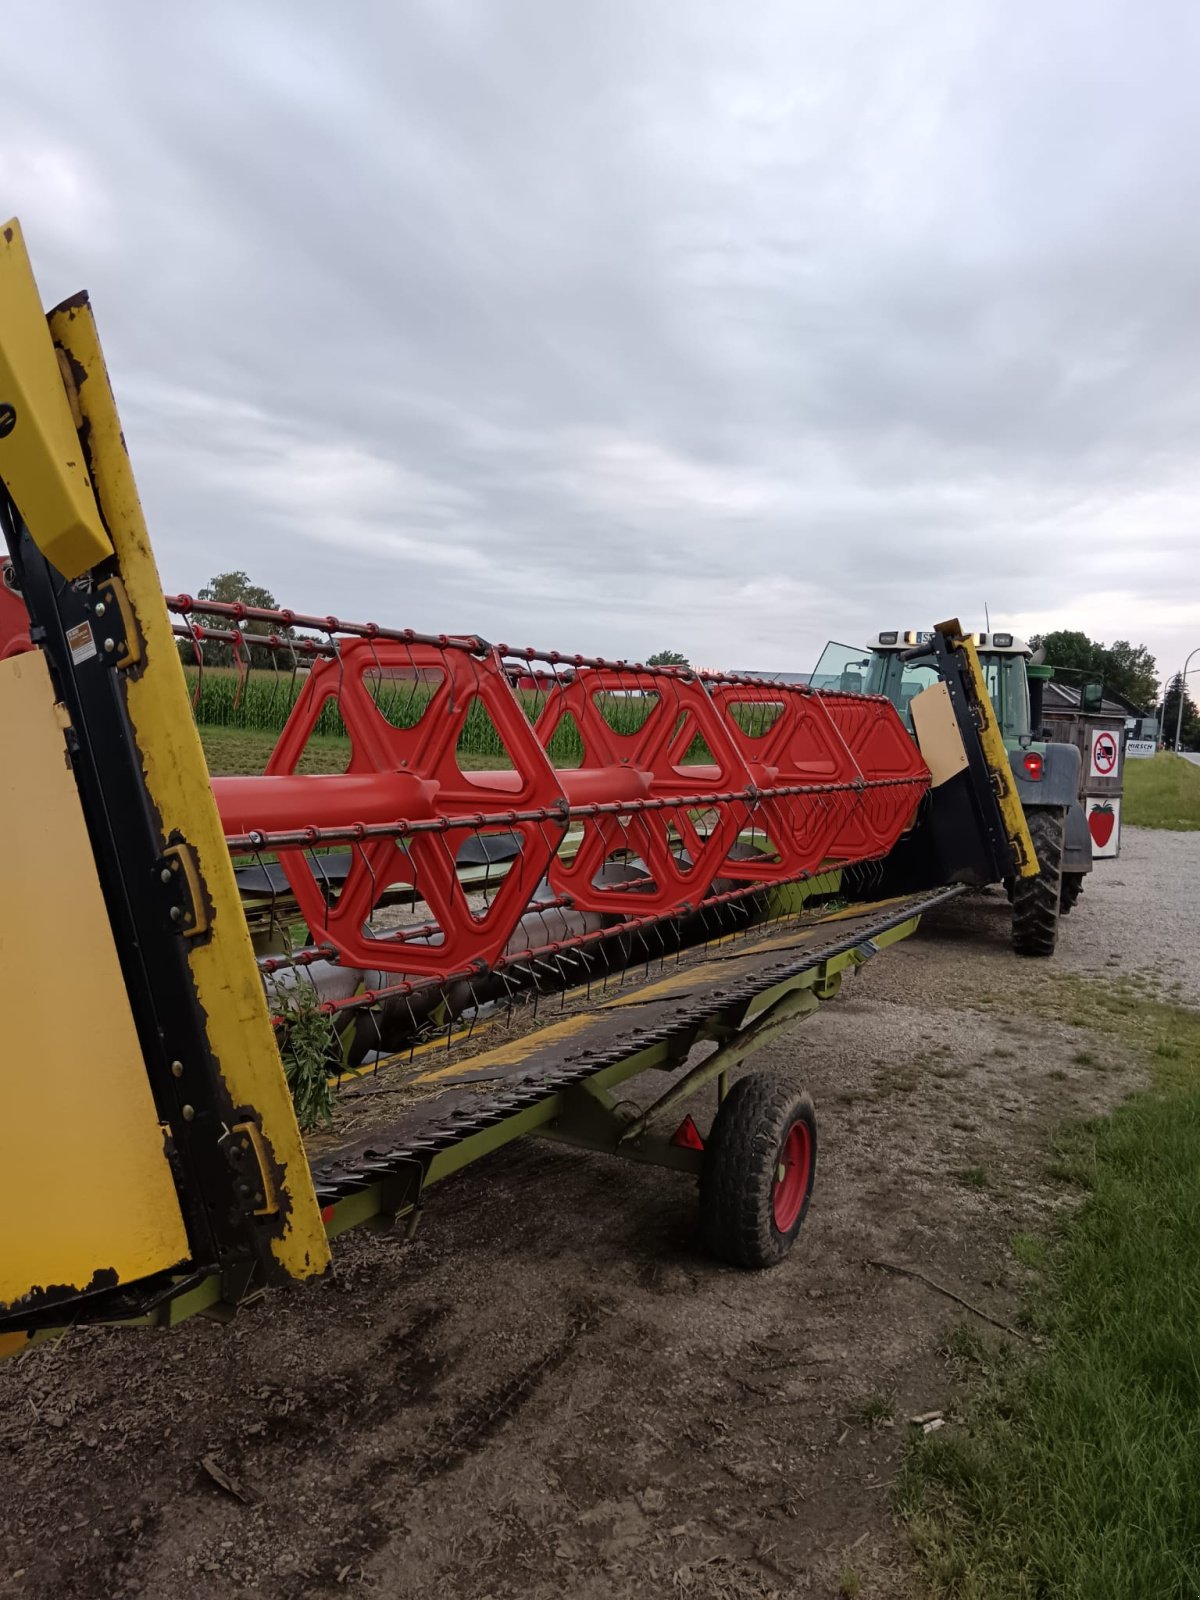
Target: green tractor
{"points": [[1046, 774]]}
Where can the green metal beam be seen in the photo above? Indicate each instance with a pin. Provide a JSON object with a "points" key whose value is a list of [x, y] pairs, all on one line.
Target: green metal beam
{"points": [[791, 1007]]}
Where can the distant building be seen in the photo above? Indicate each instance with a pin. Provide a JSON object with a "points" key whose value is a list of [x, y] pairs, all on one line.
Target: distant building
{"points": [[1063, 700]]}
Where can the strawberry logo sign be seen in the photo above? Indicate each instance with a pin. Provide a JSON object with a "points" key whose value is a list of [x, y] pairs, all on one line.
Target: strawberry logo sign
{"points": [[1104, 825], [1101, 823]]}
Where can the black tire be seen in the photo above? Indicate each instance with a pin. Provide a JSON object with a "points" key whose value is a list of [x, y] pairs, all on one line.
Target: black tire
{"points": [[766, 1126], [1036, 901], [1072, 888]]}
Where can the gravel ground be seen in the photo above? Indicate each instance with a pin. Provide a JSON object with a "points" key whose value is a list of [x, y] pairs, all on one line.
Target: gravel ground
{"points": [[1143, 913], [551, 1391]]}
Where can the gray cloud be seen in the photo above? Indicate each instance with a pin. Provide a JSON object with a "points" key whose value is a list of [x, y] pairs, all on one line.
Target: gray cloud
{"points": [[617, 326]]}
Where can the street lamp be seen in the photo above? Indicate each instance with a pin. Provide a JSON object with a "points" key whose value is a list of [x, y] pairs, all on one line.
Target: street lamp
{"points": [[1183, 678]]}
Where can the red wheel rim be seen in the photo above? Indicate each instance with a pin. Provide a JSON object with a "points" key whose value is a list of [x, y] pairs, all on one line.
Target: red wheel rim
{"points": [[791, 1176]]}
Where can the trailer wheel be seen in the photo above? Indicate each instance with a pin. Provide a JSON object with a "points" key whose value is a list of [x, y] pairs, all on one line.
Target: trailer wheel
{"points": [[758, 1171], [1036, 901], [1072, 888]]}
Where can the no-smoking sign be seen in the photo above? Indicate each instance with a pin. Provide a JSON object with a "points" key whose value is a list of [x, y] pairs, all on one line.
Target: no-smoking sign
{"points": [[1105, 753]]}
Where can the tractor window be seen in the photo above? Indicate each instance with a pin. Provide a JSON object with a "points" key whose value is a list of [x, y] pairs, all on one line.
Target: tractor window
{"points": [[1008, 689], [900, 680], [843, 667]]}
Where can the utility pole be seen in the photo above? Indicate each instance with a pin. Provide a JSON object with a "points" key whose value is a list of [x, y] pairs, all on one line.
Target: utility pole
{"points": [[1183, 677]]}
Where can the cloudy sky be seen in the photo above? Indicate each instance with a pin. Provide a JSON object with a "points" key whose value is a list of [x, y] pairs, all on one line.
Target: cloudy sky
{"points": [[618, 324]]}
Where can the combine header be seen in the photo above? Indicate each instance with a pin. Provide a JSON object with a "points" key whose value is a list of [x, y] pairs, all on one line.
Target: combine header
{"points": [[236, 935]]}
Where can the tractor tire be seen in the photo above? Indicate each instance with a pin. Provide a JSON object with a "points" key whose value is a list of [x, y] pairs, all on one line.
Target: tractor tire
{"points": [[758, 1172], [1037, 901], [1072, 888]]}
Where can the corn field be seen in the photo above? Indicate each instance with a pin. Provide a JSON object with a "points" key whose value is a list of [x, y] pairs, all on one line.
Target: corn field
{"points": [[263, 702]]}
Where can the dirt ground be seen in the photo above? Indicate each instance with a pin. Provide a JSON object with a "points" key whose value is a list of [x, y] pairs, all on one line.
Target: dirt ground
{"points": [[551, 1391]]}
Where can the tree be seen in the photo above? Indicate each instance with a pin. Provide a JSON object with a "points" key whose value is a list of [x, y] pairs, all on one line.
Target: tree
{"points": [[1130, 670], [667, 658], [1190, 733], [230, 588]]}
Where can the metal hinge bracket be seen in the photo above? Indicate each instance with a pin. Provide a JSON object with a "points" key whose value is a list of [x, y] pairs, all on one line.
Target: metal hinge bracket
{"points": [[116, 627], [247, 1155], [179, 870]]}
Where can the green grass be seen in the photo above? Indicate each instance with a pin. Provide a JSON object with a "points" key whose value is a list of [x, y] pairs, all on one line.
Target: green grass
{"points": [[234, 751], [874, 1408], [974, 1177], [1073, 1475], [1162, 793], [1029, 1250]]}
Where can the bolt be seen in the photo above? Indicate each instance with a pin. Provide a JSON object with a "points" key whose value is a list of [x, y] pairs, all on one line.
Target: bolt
{"points": [[165, 874], [177, 1069], [109, 647], [176, 914], [188, 1113], [100, 608]]}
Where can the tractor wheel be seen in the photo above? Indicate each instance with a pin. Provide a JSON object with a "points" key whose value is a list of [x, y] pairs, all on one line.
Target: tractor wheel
{"points": [[759, 1166], [1036, 901], [1072, 888]]}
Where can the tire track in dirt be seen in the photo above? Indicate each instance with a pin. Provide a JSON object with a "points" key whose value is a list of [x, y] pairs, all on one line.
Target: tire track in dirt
{"points": [[452, 1440]]}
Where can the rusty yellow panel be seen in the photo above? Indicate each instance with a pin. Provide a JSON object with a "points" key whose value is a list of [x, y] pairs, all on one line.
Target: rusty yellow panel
{"points": [[41, 461], [223, 969], [85, 1187]]}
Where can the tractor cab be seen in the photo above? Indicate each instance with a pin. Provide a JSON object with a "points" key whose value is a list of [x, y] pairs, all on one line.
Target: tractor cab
{"points": [[881, 668], [1047, 775]]}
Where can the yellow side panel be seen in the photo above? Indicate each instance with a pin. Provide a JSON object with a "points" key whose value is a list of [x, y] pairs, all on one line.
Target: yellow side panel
{"points": [[40, 459], [228, 986], [85, 1186]]}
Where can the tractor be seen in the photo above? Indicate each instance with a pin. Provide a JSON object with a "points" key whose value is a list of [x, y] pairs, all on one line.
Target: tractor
{"points": [[899, 664]]}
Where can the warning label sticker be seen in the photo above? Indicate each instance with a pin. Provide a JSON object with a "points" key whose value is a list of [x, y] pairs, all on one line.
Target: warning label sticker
{"points": [[81, 642]]}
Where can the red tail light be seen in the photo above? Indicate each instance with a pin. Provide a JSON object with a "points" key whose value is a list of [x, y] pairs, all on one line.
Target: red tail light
{"points": [[1033, 766]]}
